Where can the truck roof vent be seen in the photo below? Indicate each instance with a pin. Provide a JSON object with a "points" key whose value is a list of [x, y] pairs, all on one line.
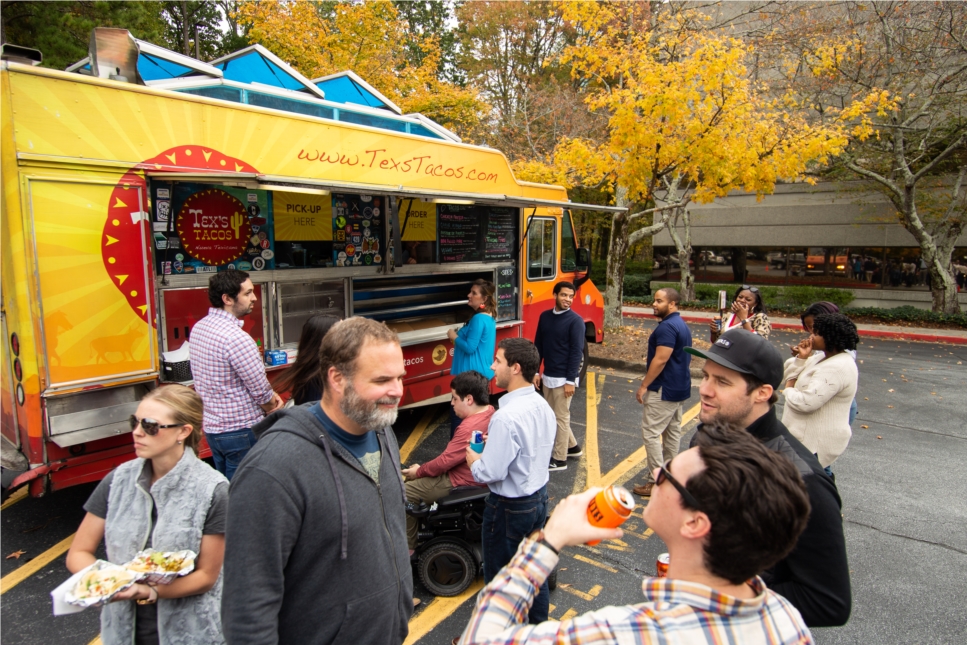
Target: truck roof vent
{"points": [[18, 54], [114, 55]]}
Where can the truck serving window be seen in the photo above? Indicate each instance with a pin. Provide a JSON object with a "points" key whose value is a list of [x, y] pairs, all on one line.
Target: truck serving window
{"points": [[540, 249]]}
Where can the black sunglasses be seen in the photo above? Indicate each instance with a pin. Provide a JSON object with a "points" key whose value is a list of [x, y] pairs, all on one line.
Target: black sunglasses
{"points": [[747, 287], [150, 426], [663, 474]]}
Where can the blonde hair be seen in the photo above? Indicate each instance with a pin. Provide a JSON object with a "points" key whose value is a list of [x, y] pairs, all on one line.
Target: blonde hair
{"points": [[186, 409]]}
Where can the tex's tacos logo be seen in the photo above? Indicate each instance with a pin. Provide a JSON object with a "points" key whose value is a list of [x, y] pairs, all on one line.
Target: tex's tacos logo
{"points": [[125, 237], [213, 227]]}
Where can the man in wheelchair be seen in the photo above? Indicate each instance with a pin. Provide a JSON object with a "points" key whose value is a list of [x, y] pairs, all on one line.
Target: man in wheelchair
{"points": [[434, 480]]}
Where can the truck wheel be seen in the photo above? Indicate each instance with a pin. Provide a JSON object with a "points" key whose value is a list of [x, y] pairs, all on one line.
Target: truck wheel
{"points": [[446, 569]]}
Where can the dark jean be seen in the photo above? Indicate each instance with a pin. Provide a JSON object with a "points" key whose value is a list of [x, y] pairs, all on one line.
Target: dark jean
{"points": [[229, 449], [506, 522]]}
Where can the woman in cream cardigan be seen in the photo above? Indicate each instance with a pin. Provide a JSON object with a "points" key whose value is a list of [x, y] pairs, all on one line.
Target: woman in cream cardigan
{"points": [[818, 400]]}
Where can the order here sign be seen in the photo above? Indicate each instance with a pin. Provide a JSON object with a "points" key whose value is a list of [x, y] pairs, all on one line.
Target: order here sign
{"points": [[302, 218], [420, 223]]}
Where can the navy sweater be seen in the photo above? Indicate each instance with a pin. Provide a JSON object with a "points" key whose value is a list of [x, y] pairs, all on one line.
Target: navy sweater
{"points": [[560, 342]]}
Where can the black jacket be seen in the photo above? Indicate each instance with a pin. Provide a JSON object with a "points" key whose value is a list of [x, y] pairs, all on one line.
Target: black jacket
{"points": [[315, 550], [814, 577]]}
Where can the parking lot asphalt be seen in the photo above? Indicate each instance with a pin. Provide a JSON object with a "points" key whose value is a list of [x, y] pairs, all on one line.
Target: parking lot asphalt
{"points": [[901, 479]]}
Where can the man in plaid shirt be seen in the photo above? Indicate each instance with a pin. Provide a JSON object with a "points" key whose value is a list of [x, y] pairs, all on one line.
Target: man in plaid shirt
{"points": [[228, 371], [727, 509]]}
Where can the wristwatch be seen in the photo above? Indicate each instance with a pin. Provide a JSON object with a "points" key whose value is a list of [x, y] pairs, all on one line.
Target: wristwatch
{"points": [[538, 536]]}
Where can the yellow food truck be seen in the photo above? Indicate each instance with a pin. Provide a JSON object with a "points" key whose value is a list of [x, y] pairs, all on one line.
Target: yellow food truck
{"points": [[137, 172]]}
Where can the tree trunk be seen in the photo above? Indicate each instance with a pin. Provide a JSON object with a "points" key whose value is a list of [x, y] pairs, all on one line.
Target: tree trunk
{"points": [[686, 283], [185, 36], [617, 252]]}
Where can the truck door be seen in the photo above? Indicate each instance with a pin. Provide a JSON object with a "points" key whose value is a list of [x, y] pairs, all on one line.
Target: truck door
{"points": [[93, 287]]}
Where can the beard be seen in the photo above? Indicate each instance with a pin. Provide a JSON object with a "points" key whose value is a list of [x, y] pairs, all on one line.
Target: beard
{"points": [[366, 413]]}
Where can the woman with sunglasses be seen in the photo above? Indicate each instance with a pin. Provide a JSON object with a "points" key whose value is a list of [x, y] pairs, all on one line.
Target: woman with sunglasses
{"points": [[817, 402], [168, 500], [748, 312]]}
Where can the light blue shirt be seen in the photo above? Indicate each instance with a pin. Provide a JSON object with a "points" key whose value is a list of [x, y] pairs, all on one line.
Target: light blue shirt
{"points": [[520, 439]]}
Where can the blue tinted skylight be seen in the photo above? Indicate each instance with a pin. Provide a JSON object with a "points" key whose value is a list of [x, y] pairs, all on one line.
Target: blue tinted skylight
{"points": [[153, 68], [343, 89]]}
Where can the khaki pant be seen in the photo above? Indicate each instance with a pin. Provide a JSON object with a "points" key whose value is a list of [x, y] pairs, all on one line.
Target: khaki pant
{"points": [[428, 490], [561, 405], [661, 430]]}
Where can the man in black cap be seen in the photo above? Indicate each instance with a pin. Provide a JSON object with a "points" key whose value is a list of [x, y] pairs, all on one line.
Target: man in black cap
{"points": [[739, 381]]}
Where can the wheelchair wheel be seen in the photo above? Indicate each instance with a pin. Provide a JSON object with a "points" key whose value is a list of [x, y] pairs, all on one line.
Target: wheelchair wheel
{"points": [[552, 580], [446, 569]]}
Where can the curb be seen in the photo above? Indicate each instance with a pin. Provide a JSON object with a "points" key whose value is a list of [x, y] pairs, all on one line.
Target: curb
{"points": [[629, 366], [873, 333]]}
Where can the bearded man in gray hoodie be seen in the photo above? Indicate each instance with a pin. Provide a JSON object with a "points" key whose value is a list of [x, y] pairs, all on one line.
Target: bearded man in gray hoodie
{"points": [[315, 548]]}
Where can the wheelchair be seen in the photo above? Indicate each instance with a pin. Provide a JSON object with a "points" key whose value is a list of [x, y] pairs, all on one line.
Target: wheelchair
{"points": [[448, 555]]}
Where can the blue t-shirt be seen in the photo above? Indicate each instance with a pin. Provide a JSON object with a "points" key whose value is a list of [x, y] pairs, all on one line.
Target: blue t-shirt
{"points": [[675, 381], [365, 448]]}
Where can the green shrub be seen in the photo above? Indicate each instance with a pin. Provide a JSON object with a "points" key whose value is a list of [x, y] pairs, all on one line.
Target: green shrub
{"points": [[787, 299], [637, 278], [908, 313]]}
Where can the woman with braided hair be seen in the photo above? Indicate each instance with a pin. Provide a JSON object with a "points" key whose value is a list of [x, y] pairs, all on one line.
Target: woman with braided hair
{"points": [[817, 403]]}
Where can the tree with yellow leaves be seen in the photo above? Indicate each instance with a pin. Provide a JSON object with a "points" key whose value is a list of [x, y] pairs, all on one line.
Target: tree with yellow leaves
{"points": [[686, 123], [370, 39]]}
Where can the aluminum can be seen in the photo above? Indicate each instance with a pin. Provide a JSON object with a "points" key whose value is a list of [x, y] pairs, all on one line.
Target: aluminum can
{"points": [[661, 565], [718, 323], [476, 441], [610, 508]]}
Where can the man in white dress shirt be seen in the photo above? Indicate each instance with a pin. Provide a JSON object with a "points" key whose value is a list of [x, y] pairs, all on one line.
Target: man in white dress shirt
{"points": [[514, 462]]}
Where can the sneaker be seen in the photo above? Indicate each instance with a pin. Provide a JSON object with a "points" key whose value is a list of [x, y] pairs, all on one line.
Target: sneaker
{"points": [[557, 465], [574, 452], [644, 489]]}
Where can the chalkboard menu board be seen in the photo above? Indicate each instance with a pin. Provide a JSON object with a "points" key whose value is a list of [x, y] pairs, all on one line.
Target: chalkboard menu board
{"points": [[506, 293], [477, 233], [461, 233], [501, 233]]}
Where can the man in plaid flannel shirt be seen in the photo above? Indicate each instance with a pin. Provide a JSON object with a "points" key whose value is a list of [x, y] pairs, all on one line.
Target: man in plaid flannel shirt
{"points": [[228, 371], [727, 509]]}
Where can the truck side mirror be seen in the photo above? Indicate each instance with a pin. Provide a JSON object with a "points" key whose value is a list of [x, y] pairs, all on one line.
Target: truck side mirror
{"points": [[583, 261]]}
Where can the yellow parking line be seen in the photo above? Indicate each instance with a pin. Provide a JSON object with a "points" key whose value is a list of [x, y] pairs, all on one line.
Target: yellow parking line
{"points": [[416, 437], [578, 556], [15, 497], [636, 457], [17, 576], [437, 611], [96, 641], [593, 463], [569, 614]]}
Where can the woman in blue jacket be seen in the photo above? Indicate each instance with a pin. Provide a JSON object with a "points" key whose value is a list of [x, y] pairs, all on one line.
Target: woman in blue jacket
{"points": [[473, 345]]}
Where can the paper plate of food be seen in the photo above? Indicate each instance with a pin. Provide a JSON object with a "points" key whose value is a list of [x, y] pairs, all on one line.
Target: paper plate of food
{"points": [[99, 583], [161, 567]]}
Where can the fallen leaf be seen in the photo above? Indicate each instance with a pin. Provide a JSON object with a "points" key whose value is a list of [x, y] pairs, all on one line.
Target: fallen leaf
{"points": [[889, 406], [934, 393], [15, 555], [889, 359], [960, 362], [879, 437], [866, 398], [884, 380], [865, 427], [890, 390]]}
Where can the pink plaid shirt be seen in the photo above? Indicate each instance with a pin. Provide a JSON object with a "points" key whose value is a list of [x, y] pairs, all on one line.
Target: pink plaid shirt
{"points": [[229, 373]]}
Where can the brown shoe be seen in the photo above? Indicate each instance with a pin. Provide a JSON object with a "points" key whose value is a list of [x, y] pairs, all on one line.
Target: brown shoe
{"points": [[644, 489]]}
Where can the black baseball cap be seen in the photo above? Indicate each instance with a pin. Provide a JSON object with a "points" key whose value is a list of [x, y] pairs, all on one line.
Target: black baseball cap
{"points": [[745, 352]]}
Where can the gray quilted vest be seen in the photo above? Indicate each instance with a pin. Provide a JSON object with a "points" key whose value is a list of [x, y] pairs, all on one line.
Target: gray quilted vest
{"points": [[183, 497]]}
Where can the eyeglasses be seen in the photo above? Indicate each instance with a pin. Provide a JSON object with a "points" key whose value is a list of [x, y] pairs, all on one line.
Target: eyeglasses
{"points": [[663, 474], [150, 426], [747, 287]]}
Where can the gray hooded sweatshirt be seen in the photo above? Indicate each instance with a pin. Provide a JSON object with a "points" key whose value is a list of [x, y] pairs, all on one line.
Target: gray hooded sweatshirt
{"points": [[315, 549]]}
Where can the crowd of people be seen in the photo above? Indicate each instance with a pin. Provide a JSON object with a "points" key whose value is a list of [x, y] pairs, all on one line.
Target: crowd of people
{"points": [[300, 527]]}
